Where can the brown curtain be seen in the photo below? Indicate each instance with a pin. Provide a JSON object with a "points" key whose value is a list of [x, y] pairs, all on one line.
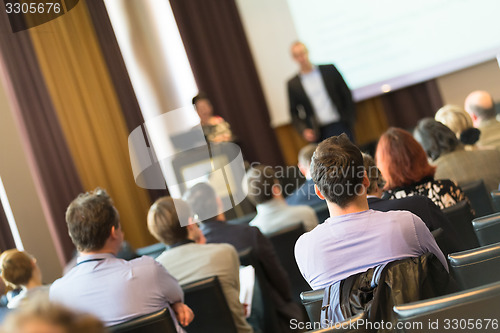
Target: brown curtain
{"points": [[87, 105], [6, 239], [223, 67], [405, 107], [55, 175], [118, 72]]}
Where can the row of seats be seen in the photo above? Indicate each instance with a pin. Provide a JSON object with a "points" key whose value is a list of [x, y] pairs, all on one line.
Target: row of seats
{"points": [[476, 268]]}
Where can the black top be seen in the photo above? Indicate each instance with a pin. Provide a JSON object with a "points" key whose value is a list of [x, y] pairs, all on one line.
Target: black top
{"points": [[443, 192]]}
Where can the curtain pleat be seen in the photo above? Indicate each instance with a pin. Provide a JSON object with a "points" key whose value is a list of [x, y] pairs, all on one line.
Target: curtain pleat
{"points": [[223, 67], [56, 179], [90, 114]]}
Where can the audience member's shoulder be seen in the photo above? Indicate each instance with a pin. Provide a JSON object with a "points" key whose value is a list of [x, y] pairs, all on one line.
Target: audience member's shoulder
{"points": [[220, 248], [302, 209], [143, 261]]}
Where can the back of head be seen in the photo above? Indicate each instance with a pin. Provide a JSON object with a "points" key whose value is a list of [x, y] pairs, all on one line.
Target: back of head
{"points": [[202, 200], [305, 155], [373, 174], [17, 267], [260, 182], [90, 218], [401, 159], [436, 139], [455, 118], [337, 170], [480, 103], [39, 315], [201, 95], [164, 222]]}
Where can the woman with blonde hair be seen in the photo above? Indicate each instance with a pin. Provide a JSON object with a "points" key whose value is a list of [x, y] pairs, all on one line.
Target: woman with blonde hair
{"points": [[459, 122], [20, 270]]}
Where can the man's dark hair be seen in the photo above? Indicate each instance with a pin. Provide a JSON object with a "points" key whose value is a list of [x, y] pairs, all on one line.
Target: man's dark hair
{"points": [[435, 138], [201, 95], [337, 169], [202, 200], [482, 112], [260, 182], [163, 220], [90, 218]]}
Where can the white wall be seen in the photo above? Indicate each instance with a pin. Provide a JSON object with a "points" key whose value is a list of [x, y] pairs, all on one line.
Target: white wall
{"points": [[22, 195], [270, 31]]}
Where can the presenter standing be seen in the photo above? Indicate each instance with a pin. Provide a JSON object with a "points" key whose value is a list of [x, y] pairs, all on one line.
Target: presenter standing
{"points": [[321, 104]]}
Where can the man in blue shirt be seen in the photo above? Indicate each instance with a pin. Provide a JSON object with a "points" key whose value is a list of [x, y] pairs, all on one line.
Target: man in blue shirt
{"points": [[354, 238], [114, 290]]}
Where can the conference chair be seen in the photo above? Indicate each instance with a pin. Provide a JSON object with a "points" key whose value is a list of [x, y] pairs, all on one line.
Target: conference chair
{"points": [[263, 315], [460, 216], [476, 267], [495, 197], [487, 229], [478, 196], [284, 244], [160, 321], [206, 299], [441, 240], [152, 250], [466, 311], [356, 324], [322, 212], [312, 301]]}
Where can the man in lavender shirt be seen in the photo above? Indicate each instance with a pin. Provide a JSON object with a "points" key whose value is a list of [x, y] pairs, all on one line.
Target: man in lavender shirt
{"points": [[354, 238], [114, 290]]}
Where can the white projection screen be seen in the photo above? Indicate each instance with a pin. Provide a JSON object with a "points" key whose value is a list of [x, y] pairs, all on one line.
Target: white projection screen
{"points": [[389, 44]]}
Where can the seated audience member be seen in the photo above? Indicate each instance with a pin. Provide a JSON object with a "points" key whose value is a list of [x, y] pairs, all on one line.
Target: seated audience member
{"points": [[204, 202], [188, 258], [404, 166], [114, 290], [459, 121], [450, 158], [273, 213], [354, 238], [215, 128], [305, 194], [41, 316], [419, 205], [20, 270], [481, 108]]}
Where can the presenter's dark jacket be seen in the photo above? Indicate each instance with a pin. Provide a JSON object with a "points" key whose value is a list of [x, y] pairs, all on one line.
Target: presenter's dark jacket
{"points": [[424, 208], [301, 108]]}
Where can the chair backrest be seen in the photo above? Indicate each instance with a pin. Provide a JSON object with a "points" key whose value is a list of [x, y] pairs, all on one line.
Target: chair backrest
{"points": [[356, 324], [479, 197], [284, 244], [457, 312], [263, 313], [441, 240], [152, 250], [476, 267], [206, 299], [322, 212], [312, 301], [487, 229], [160, 321], [460, 216], [495, 197]]}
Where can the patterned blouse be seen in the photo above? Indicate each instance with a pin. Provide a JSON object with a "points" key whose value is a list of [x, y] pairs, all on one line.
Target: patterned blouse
{"points": [[443, 192], [218, 130]]}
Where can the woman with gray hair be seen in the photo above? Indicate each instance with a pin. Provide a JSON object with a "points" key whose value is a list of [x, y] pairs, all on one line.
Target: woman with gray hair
{"points": [[452, 161]]}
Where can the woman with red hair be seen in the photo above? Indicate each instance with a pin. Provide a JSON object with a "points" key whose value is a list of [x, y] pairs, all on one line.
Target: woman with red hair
{"points": [[407, 172]]}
